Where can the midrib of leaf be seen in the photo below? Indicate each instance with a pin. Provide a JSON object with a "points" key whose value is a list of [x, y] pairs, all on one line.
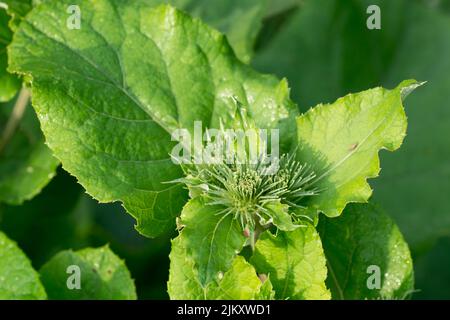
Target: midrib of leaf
{"points": [[212, 241], [335, 281]]}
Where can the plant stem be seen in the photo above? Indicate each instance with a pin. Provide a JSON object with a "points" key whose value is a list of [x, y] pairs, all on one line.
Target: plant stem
{"points": [[252, 240], [15, 117], [254, 234]]}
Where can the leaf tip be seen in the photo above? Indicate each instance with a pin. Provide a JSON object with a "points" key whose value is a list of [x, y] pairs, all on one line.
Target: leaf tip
{"points": [[408, 86]]}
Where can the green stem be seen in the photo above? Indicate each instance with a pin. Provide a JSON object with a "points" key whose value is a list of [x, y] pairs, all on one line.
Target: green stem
{"points": [[15, 118], [254, 235], [252, 240]]}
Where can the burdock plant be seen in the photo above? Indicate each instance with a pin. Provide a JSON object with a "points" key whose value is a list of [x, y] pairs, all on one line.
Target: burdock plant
{"points": [[108, 97]]}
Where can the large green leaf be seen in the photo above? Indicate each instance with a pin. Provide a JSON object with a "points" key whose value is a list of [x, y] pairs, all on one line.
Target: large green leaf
{"points": [[339, 57], [18, 279], [26, 163], [9, 84], [212, 238], [362, 239], [109, 95], [342, 140], [240, 282], [295, 263], [102, 276]]}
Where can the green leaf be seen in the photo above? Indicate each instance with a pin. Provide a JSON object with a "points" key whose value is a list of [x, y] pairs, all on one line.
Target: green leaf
{"points": [[109, 95], [102, 276], [212, 238], [295, 263], [266, 291], [183, 281], [280, 216], [240, 282], [18, 279], [9, 84], [341, 141], [362, 237], [26, 163]]}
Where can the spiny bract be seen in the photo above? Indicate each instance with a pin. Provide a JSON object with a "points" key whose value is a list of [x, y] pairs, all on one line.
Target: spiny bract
{"points": [[245, 190]]}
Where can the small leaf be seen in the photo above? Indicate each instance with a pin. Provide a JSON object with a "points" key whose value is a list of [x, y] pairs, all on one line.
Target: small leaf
{"points": [[26, 163], [266, 291], [102, 276], [212, 238], [240, 282], [294, 262], [18, 279], [280, 216], [342, 140], [360, 243]]}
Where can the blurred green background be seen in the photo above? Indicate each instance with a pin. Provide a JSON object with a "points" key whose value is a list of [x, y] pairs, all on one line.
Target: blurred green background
{"points": [[325, 50]]}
